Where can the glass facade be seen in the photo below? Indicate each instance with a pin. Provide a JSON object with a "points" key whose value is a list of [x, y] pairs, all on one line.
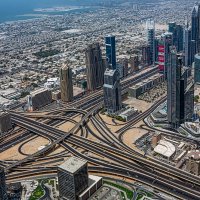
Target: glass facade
{"points": [[111, 51]]}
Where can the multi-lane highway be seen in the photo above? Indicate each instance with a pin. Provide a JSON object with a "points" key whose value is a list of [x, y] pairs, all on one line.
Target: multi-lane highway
{"points": [[114, 157]]}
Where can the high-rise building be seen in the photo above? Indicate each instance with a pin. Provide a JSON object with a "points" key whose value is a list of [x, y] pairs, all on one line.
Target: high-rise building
{"points": [[177, 31], [72, 178], [146, 55], [179, 35], [111, 51], [122, 67], [66, 84], [180, 91], [134, 62], [95, 66], [125, 67], [150, 25], [192, 51], [175, 90], [156, 49], [197, 69], [3, 193], [112, 91], [5, 122], [195, 25], [189, 101], [165, 42], [187, 46]]}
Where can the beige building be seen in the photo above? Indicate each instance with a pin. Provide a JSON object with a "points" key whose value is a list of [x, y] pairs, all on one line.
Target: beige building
{"points": [[66, 84], [5, 122], [155, 139]]}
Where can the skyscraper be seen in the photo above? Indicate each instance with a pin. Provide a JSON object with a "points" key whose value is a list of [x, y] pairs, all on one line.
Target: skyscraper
{"points": [[179, 35], [146, 55], [196, 26], [134, 61], [72, 178], [150, 25], [180, 91], [94, 67], [189, 101], [3, 193], [175, 90], [156, 49], [187, 46], [112, 91], [177, 31], [111, 51], [66, 84], [164, 44]]}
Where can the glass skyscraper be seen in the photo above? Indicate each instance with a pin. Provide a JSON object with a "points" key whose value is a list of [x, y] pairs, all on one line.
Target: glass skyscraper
{"points": [[111, 51], [175, 89], [112, 91], [195, 25]]}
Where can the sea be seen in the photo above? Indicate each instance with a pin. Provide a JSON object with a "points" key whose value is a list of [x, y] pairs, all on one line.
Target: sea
{"points": [[14, 10]]}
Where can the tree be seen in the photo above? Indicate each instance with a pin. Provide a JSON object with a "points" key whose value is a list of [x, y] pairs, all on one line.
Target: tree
{"points": [[196, 98]]}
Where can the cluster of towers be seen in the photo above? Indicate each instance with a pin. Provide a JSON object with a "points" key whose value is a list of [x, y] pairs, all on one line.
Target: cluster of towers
{"points": [[185, 38], [103, 72], [175, 52], [100, 72]]}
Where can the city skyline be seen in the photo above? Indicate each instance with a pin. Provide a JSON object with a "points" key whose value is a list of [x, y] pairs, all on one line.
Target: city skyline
{"points": [[100, 100]]}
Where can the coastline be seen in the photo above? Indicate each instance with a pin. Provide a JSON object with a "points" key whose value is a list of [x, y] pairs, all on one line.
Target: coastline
{"points": [[39, 13]]}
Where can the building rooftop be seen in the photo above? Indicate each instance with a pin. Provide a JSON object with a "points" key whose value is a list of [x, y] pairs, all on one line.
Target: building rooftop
{"points": [[195, 154], [109, 72], [73, 164], [38, 91], [165, 148], [2, 113]]}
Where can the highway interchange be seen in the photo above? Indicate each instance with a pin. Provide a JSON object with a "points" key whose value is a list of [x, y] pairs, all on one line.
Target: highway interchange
{"points": [[107, 155]]}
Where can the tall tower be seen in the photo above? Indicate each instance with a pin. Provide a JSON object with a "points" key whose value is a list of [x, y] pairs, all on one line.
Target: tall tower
{"points": [[72, 178], [150, 26], [195, 25], [111, 51], [3, 193], [66, 84], [164, 44], [177, 31], [134, 61], [175, 90], [112, 91], [94, 67], [146, 55], [187, 46]]}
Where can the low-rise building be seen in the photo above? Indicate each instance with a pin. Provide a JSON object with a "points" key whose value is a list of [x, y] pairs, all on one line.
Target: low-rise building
{"points": [[147, 84], [129, 113], [165, 148], [38, 99], [193, 162]]}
